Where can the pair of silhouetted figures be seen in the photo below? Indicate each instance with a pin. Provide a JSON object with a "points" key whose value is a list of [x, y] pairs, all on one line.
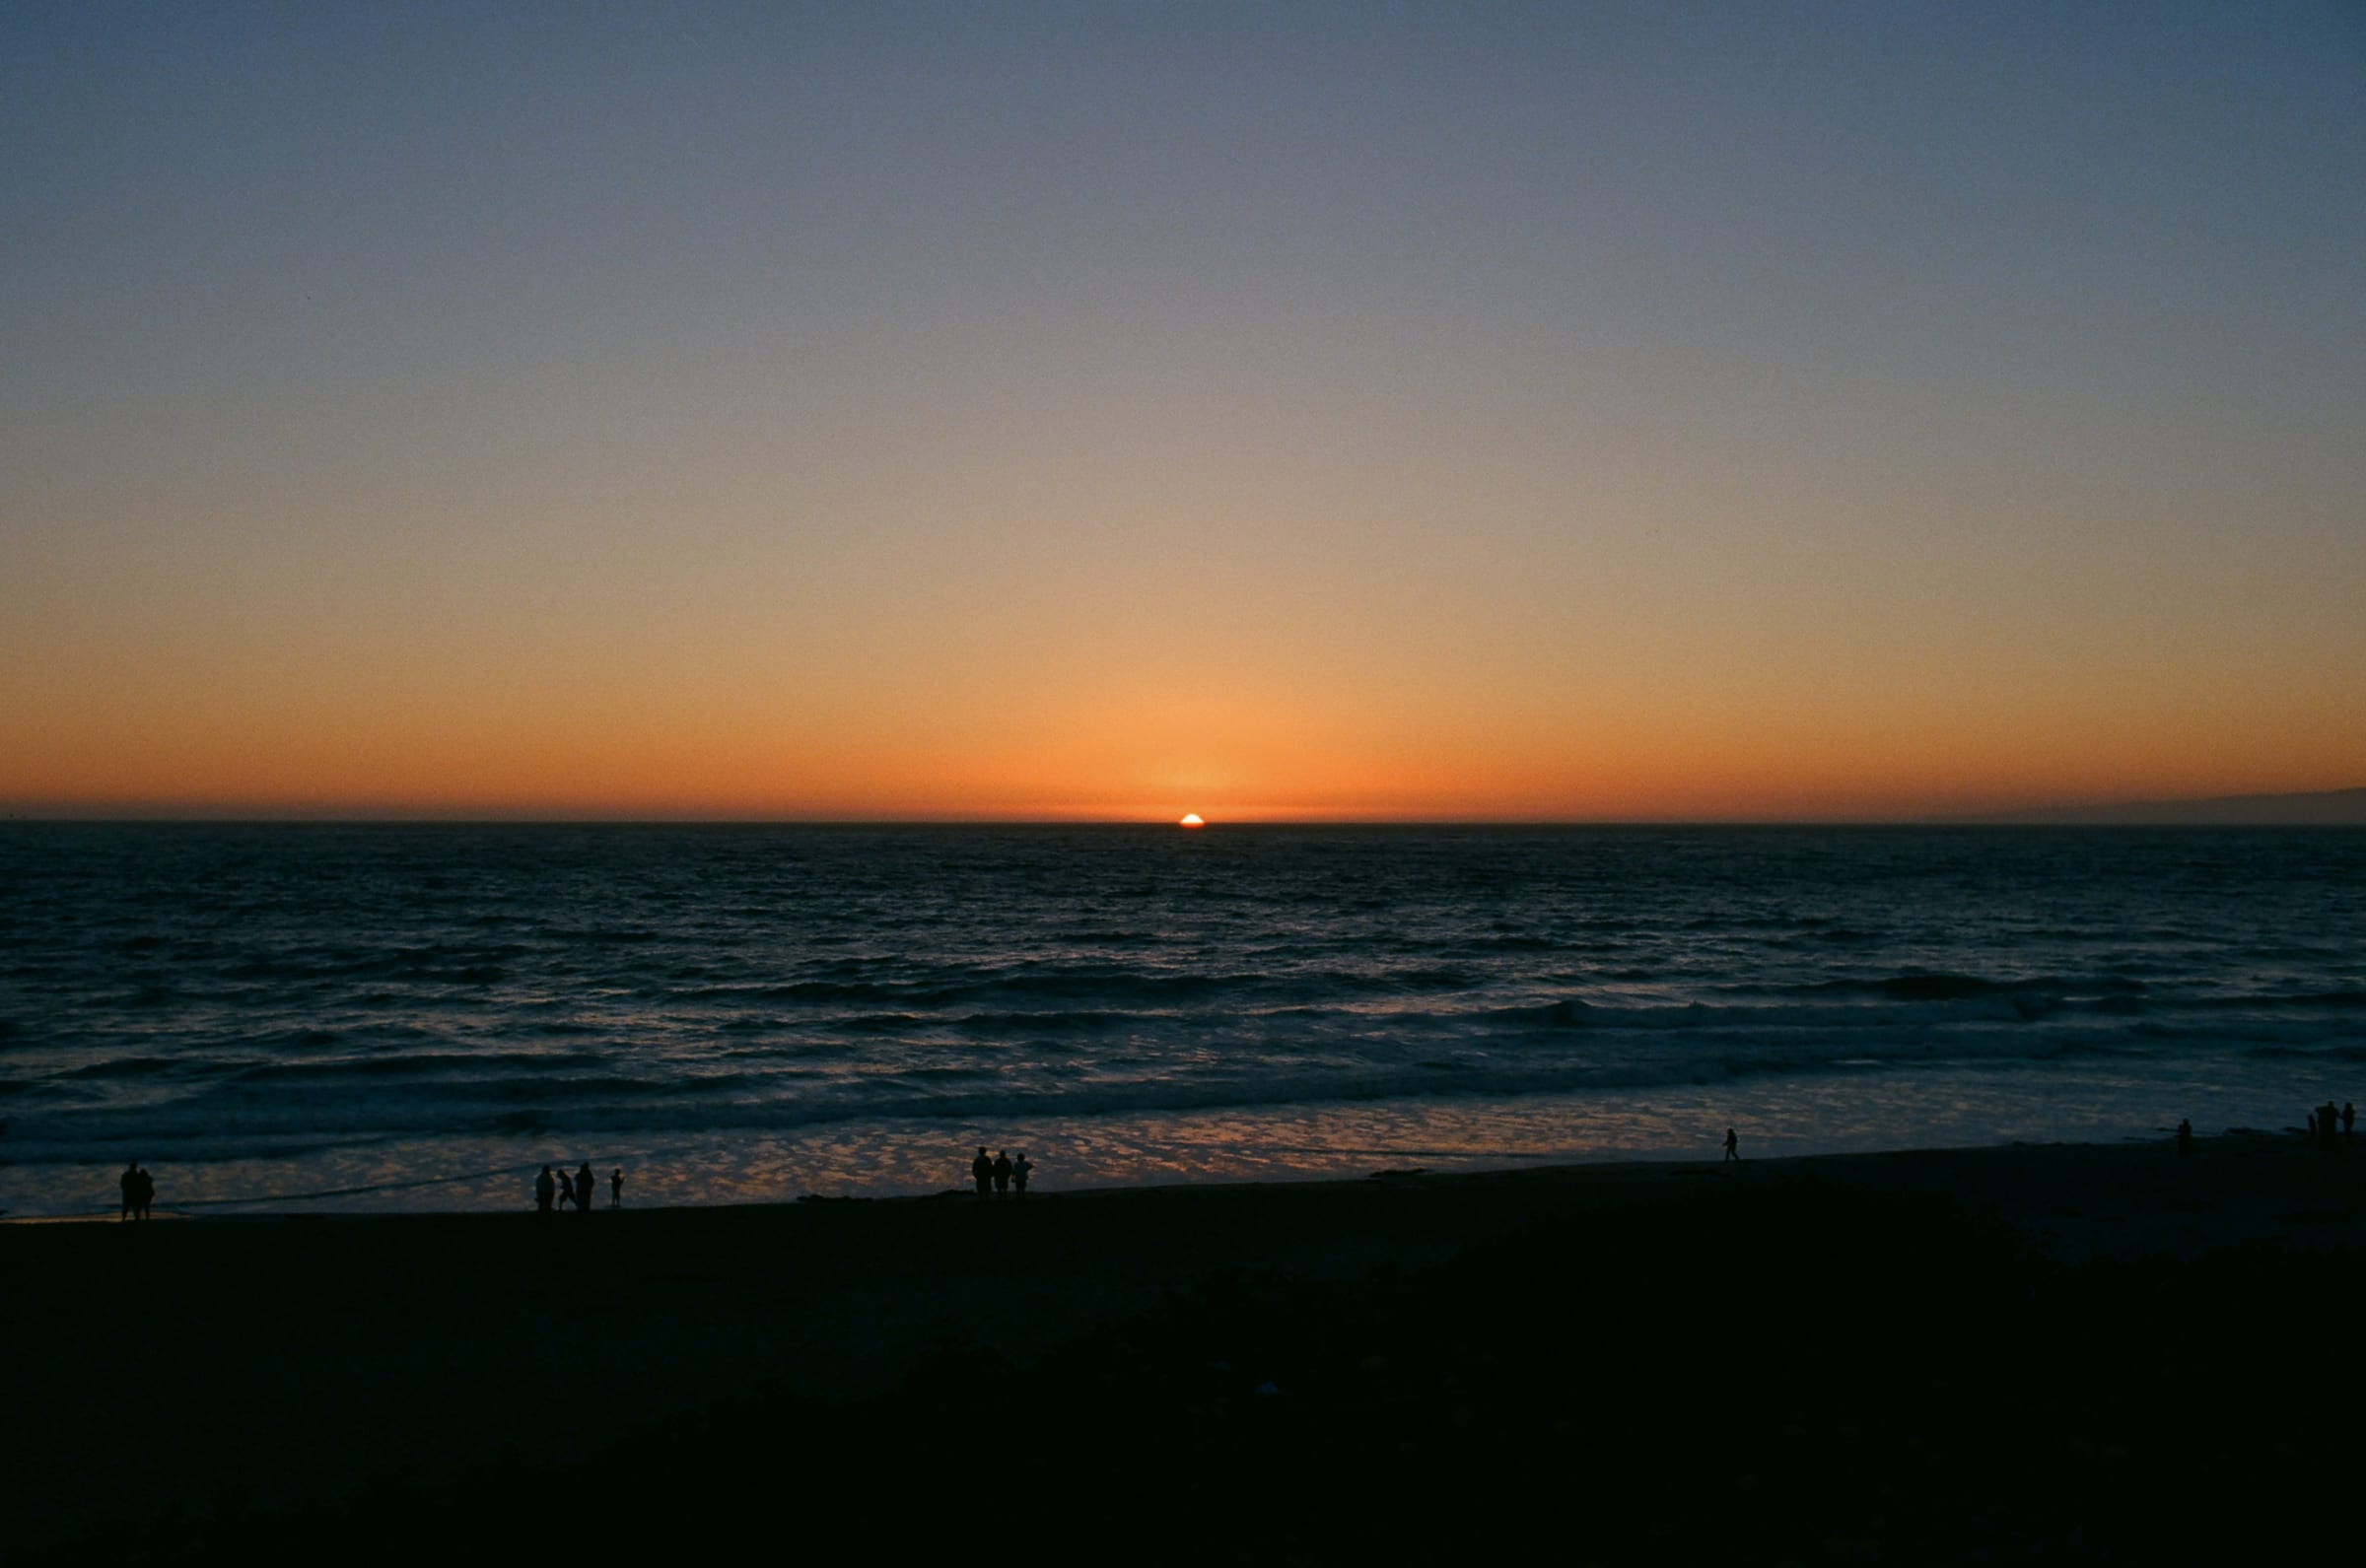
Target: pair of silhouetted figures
{"points": [[139, 1192], [580, 1189], [2325, 1119], [1000, 1174]]}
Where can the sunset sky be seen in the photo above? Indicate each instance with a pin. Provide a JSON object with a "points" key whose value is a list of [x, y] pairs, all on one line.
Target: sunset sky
{"points": [[1088, 411]]}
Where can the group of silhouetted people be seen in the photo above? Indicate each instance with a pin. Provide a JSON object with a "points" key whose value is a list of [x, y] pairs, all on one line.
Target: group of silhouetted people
{"points": [[2330, 1127], [582, 1190], [139, 1192], [1001, 1175], [2325, 1119]]}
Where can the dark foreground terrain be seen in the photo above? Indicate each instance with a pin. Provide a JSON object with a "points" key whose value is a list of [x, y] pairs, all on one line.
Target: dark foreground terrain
{"points": [[1807, 1372]]}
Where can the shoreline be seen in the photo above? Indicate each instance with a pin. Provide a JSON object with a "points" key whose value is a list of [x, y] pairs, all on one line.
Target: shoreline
{"points": [[1453, 1166], [1812, 1116], [287, 1357]]}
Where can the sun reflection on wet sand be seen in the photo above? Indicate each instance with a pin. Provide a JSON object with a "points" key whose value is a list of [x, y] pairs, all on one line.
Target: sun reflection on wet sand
{"points": [[1876, 1109]]}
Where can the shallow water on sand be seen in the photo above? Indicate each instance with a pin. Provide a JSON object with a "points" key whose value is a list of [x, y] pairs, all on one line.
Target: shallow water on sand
{"points": [[416, 1017]]}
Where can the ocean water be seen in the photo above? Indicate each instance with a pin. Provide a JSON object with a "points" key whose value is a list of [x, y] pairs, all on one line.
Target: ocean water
{"points": [[311, 1017]]}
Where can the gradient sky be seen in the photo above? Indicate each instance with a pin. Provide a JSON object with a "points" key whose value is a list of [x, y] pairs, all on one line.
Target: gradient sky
{"points": [[1467, 411]]}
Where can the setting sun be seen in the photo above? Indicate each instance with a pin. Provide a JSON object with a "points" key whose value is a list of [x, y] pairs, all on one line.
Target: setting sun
{"points": [[1191, 819]]}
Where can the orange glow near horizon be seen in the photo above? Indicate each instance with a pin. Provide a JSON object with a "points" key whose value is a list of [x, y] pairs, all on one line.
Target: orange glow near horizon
{"points": [[1423, 686], [1702, 762]]}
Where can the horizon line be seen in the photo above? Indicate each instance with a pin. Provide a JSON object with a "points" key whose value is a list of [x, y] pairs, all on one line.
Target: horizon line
{"points": [[2068, 814], [1262, 824]]}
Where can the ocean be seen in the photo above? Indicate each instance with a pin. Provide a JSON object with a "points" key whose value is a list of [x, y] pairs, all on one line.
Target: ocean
{"points": [[350, 1017]]}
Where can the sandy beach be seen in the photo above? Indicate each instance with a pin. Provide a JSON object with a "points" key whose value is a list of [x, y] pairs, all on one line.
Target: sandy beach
{"points": [[270, 1361]]}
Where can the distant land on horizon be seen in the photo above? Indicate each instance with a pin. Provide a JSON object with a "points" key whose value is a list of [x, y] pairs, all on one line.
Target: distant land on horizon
{"points": [[2321, 808]]}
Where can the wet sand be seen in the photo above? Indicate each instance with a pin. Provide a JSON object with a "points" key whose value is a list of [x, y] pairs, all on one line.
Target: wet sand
{"points": [[270, 1360]]}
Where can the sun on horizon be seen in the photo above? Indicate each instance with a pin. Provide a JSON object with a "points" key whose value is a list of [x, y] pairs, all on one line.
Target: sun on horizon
{"points": [[1191, 819]]}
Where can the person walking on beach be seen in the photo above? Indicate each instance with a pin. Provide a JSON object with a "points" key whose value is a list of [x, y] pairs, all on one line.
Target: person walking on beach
{"points": [[1002, 1173], [585, 1184], [546, 1191], [131, 1190], [143, 1192], [981, 1171], [1018, 1172], [566, 1187], [1733, 1153], [616, 1188], [2349, 1119]]}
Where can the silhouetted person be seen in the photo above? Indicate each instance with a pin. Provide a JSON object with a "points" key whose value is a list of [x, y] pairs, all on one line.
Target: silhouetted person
{"points": [[143, 1192], [1002, 1173], [1018, 1172], [546, 1191], [1733, 1151], [2184, 1140], [585, 1184], [616, 1188], [981, 1171], [2349, 1119], [131, 1190], [566, 1187]]}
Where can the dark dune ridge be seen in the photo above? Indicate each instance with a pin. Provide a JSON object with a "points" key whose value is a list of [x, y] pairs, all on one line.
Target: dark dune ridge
{"points": [[1957, 1356]]}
